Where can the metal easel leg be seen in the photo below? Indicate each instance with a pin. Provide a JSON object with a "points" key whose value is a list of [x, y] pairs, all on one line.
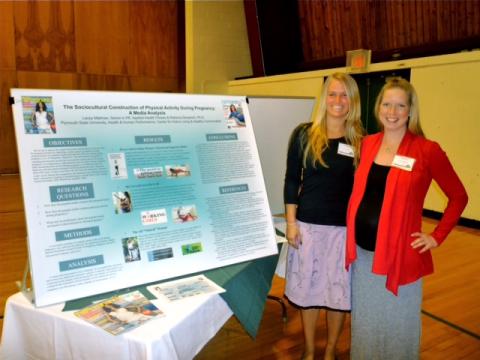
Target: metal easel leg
{"points": [[23, 284], [282, 304]]}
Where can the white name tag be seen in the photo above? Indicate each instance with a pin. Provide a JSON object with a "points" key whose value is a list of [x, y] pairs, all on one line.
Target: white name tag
{"points": [[403, 162], [344, 149]]}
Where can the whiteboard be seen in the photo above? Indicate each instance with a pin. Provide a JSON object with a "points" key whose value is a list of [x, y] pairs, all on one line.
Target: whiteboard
{"points": [[274, 119]]}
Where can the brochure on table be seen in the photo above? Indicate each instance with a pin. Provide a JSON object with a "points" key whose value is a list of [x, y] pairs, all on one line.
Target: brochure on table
{"points": [[122, 189], [185, 288], [120, 313]]}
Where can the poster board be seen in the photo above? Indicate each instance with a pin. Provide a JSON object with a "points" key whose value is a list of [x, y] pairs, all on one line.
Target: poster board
{"points": [[274, 119], [122, 189]]}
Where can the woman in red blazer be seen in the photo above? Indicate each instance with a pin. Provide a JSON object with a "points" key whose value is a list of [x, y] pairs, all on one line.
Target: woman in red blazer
{"points": [[386, 247]]}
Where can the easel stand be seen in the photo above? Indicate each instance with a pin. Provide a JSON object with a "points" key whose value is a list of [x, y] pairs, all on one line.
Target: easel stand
{"points": [[23, 285], [282, 304]]}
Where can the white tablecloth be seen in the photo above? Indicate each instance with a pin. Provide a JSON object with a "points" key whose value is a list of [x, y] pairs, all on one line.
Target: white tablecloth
{"points": [[48, 333]]}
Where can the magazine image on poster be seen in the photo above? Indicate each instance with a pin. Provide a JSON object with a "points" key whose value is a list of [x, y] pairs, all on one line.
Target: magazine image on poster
{"points": [[131, 188]]}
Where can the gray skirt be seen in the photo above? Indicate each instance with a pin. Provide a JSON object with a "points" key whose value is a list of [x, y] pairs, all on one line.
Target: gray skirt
{"points": [[384, 326]]}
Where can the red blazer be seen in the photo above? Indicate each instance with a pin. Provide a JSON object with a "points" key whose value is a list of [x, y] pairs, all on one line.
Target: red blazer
{"points": [[401, 213]]}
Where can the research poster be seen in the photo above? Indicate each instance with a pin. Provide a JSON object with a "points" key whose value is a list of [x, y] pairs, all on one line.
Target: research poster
{"points": [[122, 189]]}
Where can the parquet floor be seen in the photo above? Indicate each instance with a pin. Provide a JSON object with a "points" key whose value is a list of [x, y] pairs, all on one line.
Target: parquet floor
{"points": [[451, 320]]}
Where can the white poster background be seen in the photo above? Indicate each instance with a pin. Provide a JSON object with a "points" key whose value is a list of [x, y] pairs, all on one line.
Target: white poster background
{"points": [[122, 189]]}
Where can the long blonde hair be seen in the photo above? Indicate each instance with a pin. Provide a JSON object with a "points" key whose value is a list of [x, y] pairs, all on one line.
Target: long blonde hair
{"points": [[414, 115], [317, 141]]}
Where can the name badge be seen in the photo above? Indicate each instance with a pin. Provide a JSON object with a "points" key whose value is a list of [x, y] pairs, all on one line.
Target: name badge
{"points": [[403, 162], [344, 149]]}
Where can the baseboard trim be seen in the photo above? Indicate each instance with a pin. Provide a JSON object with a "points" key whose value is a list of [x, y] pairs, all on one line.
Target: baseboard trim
{"points": [[471, 223]]}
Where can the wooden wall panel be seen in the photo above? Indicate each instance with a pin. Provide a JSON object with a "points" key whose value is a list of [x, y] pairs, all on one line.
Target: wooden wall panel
{"points": [[305, 30], [12, 199], [330, 28], [102, 37], [44, 36], [156, 84], [430, 19], [153, 25], [359, 26], [8, 148], [475, 15], [124, 45], [47, 80], [127, 83], [421, 36], [104, 82], [410, 17], [7, 43], [336, 38]]}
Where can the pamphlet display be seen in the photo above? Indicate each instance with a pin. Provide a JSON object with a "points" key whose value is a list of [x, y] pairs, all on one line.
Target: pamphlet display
{"points": [[185, 288], [122, 189], [120, 313]]}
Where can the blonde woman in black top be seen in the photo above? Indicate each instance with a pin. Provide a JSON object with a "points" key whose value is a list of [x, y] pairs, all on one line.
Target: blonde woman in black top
{"points": [[318, 182]]}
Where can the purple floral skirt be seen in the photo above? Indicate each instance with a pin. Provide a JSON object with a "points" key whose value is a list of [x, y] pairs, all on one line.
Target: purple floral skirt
{"points": [[316, 276]]}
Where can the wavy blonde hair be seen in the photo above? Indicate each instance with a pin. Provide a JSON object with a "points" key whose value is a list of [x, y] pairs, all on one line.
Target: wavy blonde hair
{"points": [[414, 114], [317, 141]]}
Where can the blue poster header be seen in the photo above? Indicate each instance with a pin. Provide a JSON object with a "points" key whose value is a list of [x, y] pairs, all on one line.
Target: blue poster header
{"points": [[222, 137], [233, 188], [64, 142], [81, 263], [71, 192], [77, 233], [153, 139]]}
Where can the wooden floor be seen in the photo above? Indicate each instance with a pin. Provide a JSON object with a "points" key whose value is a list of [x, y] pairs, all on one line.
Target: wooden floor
{"points": [[451, 313], [451, 306]]}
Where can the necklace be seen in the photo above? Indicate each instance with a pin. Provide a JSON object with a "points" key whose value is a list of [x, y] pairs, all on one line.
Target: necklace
{"points": [[391, 149]]}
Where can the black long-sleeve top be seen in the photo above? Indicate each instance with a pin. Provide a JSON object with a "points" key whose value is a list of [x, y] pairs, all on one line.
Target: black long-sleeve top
{"points": [[321, 193]]}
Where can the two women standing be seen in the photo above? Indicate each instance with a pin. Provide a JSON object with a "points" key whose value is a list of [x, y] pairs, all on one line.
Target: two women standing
{"points": [[384, 244]]}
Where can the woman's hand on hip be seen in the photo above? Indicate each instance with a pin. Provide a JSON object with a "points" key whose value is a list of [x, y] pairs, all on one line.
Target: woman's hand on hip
{"points": [[423, 241], [294, 237]]}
